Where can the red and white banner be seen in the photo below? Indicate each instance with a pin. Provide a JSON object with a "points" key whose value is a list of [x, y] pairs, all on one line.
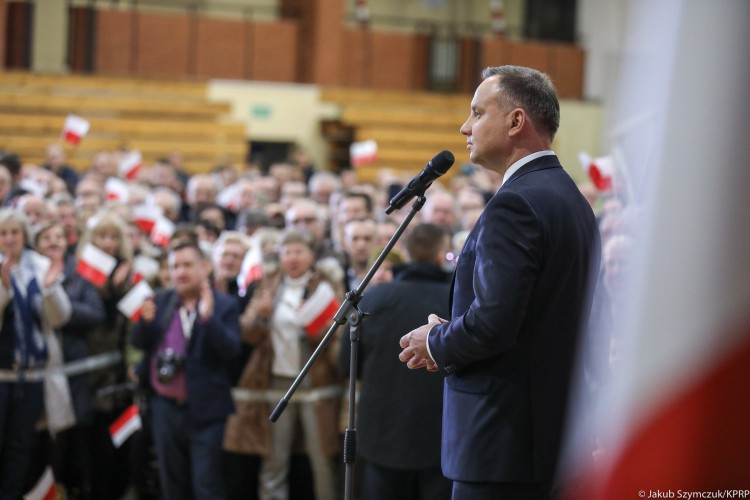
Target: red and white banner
{"points": [[600, 170], [132, 303], [162, 232], [144, 268], [673, 420], [125, 426], [252, 266], [319, 310], [116, 190], [130, 165], [95, 265], [145, 216], [45, 488], [75, 129], [363, 153]]}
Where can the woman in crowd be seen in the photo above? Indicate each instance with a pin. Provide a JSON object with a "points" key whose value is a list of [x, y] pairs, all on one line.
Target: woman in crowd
{"points": [[272, 323], [71, 457], [32, 302], [110, 472]]}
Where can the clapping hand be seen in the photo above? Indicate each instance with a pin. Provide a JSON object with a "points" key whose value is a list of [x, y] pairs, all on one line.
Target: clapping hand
{"points": [[206, 301], [54, 271], [148, 311]]}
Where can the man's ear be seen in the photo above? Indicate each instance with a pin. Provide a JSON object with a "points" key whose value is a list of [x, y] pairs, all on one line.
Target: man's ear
{"points": [[517, 121]]}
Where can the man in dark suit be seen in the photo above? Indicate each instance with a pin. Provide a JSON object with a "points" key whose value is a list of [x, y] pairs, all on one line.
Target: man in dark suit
{"points": [[189, 334], [399, 416], [519, 297]]}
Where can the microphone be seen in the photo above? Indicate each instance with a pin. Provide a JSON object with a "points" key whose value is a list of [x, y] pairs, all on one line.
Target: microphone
{"points": [[437, 166]]}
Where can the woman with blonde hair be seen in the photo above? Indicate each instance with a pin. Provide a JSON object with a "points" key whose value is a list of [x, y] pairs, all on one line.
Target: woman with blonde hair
{"points": [[274, 324], [110, 473], [32, 301]]}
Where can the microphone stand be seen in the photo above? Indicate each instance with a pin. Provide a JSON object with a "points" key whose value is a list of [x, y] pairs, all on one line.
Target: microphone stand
{"points": [[349, 312]]}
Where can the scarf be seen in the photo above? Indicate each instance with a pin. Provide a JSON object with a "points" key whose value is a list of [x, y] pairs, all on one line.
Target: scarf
{"points": [[31, 348]]}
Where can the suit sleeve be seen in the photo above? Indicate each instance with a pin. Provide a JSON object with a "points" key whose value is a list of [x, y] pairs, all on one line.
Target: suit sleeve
{"points": [[223, 327], [508, 257]]}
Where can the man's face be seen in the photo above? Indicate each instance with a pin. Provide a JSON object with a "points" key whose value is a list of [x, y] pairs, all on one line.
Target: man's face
{"points": [[304, 217], [205, 192], [359, 240], [352, 208], [441, 211], [486, 129], [230, 260], [187, 270]]}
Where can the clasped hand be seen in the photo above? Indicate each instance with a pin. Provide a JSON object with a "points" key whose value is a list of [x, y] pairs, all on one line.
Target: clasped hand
{"points": [[414, 345]]}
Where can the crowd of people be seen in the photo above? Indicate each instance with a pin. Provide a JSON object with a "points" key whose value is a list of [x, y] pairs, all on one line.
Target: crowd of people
{"points": [[214, 348]]}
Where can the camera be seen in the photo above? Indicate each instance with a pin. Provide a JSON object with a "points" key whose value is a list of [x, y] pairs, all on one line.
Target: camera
{"points": [[168, 365]]}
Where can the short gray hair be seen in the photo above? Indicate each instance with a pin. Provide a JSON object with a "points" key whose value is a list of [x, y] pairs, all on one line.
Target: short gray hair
{"points": [[531, 90]]}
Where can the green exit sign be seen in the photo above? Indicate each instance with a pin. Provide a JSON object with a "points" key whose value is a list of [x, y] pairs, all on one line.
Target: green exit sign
{"points": [[261, 111]]}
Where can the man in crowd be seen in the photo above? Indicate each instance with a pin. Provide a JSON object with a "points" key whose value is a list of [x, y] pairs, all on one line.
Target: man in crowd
{"points": [[520, 294], [189, 334], [359, 240], [400, 412]]}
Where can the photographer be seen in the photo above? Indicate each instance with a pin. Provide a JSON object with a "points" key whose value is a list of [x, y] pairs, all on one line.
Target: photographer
{"points": [[188, 334]]}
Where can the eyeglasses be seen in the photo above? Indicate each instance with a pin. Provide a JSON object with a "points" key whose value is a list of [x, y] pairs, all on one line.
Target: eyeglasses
{"points": [[303, 220]]}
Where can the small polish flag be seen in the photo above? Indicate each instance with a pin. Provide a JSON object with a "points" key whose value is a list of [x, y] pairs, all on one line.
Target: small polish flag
{"points": [[252, 267], [75, 129], [130, 164], [144, 268], [600, 170], [145, 216], [95, 265], [229, 197], [45, 488], [363, 153], [116, 190], [125, 425], [162, 232], [319, 309], [132, 303], [33, 186]]}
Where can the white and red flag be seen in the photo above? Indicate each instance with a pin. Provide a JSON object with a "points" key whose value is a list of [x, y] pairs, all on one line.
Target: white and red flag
{"points": [[125, 426], [144, 268], [252, 266], [132, 303], [45, 488], [600, 170], [130, 164], [319, 309], [95, 265], [75, 129], [116, 190], [363, 153], [229, 197], [673, 421], [146, 215], [162, 232]]}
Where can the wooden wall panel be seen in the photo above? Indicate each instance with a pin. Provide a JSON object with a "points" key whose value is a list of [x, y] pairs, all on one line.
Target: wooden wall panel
{"points": [[393, 61], [566, 70], [357, 68], [532, 54], [495, 52], [164, 45], [221, 48], [327, 40], [274, 52], [114, 45]]}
